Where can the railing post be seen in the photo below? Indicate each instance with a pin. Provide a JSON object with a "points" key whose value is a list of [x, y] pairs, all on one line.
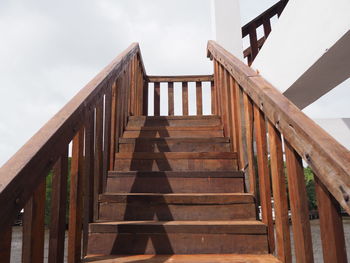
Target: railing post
{"points": [[213, 97], [34, 226], [279, 195], [332, 231], [264, 177], [199, 98], [184, 98], [145, 98], [299, 206], [156, 98], [58, 209], [76, 199], [5, 244], [170, 98]]}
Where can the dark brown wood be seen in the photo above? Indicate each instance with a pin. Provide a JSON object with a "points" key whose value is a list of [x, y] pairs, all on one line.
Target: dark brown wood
{"points": [[76, 199], [264, 177], [267, 27], [107, 137], [184, 98], [249, 136], [284, 252], [213, 98], [323, 153], [298, 205], [199, 103], [222, 74], [156, 98], [170, 98], [253, 44], [114, 128], [58, 209], [189, 78], [5, 245], [145, 98], [331, 224], [248, 51], [33, 226]]}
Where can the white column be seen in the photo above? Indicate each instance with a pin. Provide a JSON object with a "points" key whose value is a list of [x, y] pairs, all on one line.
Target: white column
{"points": [[226, 25]]}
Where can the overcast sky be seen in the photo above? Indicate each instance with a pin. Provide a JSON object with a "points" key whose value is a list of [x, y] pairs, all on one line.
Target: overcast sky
{"points": [[50, 49]]}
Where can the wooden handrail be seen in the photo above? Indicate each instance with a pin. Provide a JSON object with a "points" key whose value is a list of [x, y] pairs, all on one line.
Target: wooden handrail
{"points": [[102, 104], [328, 158], [192, 78]]}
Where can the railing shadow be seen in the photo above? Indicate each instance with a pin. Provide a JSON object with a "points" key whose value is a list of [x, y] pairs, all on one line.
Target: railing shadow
{"points": [[156, 209]]}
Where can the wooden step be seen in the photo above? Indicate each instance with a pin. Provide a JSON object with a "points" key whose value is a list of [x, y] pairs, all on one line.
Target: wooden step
{"points": [[168, 144], [196, 258], [165, 131], [176, 182], [166, 207], [210, 120], [180, 161], [177, 237]]}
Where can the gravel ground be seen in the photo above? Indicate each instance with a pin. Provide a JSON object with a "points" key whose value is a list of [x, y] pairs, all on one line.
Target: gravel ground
{"points": [[315, 230]]}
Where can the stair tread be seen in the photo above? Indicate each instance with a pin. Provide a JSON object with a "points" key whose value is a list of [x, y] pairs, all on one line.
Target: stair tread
{"points": [[188, 117], [176, 139], [195, 227], [194, 258], [176, 155], [181, 198], [186, 174], [175, 128]]}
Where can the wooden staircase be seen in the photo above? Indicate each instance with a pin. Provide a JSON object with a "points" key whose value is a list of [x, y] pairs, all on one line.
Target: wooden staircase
{"points": [[176, 191]]}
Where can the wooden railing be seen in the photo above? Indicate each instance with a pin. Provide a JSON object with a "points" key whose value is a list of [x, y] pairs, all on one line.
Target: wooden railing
{"points": [[184, 80], [255, 113], [93, 120], [251, 29]]}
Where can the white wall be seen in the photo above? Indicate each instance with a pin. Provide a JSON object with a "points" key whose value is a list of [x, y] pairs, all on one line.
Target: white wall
{"points": [[308, 50], [338, 128], [226, 25]]}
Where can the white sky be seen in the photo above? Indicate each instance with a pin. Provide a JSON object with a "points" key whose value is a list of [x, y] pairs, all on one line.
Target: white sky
{"points": [[50, 49]]}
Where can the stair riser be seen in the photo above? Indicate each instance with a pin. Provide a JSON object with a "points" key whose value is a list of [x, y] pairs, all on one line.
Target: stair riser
{"points": [[174, 123], [174, 147], [175, 164], [176, 243], [134, 184], [172, 133], [167, 212]]}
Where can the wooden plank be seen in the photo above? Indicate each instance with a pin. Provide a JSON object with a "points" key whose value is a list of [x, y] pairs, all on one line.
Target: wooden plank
{"points": [[199, 103], [98, 156], [298, 205], [264, 177], [90, 204], [34, 226], [156, 98], [188, 78], [58, 209], [5, 244], [331, 224], [249, 136], [35, 158], [213, 98], [218, 87], [114, 135], [76, 199], [170, 98], [132, 99], [184, 98], [224, 100], [267, 27], [106, 137], [284, 252], [253, 43], [329, 159]]}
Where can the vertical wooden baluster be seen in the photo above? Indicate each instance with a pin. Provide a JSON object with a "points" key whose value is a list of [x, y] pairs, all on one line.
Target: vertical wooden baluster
{"points": [[132, 103], [5, 244], [114, 133], [224, 101], [34, 226], [232, 110], [267, 27], [279, 195], [184, 98], [76, 199], [199, 98], [90, 203], [156, 98], [145, 98], [253, 43], [218, 87], [58, 209], [170, 98], [213, 98], [299, 206], [249, 129], [98, 157], [332, 231], [264, 177], [238, 123], [107, 136]]}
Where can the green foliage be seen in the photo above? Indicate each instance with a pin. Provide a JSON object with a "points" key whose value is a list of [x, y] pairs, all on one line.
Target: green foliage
{"points": [[310, 188]]}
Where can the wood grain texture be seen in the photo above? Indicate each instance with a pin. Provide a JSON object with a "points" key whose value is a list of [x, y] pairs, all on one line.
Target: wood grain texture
{"points": [[184, 98], [199, 103], [331, 224], [213, 98], [238, 123], [284, 252], [156, 99], [170, 98], [298, 205], [189, 78], [58, 209], [5, 244], [264, 176]]}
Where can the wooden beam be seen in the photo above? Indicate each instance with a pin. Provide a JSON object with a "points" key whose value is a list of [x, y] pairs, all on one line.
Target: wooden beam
{"points": [[170, 98], [189, 78]]}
